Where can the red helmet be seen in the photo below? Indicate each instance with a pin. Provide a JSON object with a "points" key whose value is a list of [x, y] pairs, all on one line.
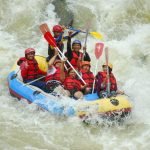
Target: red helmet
{"points": [[57, 28], [29, 50]]}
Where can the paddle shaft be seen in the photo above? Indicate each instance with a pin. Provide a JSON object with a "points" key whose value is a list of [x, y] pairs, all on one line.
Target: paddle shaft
{"points": [[98, 53], [94, 34], [62, 59], [34, 81], [70, 65], [94, 78], [15, 75], [87, 32], [108, 78], [47, 35]]}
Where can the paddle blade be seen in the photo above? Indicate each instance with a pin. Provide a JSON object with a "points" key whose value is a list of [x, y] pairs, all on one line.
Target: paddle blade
{"points": [[44, 28], [98, 49], [47, 35], [49, 38], [97, 35]]}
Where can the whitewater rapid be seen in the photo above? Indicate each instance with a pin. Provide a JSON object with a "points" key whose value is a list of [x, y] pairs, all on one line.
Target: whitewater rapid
{"points": [[125, 26]]}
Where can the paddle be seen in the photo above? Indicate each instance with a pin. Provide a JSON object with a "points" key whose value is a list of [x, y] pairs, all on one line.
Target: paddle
{"points": [[98, 52], [44, 28], [108, 80], [94, 34], [49, 38], [15, 75], [87, 31], [34, 80]]}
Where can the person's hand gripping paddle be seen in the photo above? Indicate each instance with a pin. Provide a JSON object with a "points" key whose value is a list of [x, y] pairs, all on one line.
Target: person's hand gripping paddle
{"points": [[50, 39]]}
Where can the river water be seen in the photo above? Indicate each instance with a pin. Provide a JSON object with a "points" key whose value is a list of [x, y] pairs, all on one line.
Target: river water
{"points": [[125, 25]]}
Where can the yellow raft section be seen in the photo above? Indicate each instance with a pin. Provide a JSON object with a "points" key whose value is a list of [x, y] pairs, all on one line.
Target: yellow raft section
{"points": [[105, 105], [99, 106], [43, 65]]}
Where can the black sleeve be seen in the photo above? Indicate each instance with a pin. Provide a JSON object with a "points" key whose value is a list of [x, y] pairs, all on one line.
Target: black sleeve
{"points": [[69, 50], [50, 51], [74, 34], [86, 57]]}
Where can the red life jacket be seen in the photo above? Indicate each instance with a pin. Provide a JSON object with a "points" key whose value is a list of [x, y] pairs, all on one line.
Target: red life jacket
{"points": [[75, 58], [103, 79], [88, 77], [72, 83], [29, 69], [55, 76], [21, 60]]}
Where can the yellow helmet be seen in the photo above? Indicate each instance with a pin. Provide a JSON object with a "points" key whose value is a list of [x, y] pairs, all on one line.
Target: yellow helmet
{"points": [[109, 65]]}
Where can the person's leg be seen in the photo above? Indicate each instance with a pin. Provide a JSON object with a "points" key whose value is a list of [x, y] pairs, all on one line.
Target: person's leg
{"points": [[53, 85], [67, 93], [78, 95], [87, 90], [40, 84]]}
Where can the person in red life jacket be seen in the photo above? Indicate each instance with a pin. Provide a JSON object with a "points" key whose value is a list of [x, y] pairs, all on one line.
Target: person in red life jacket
{"points": [[102, 82], [30, 70], [87, 76], [73, 54], [55, 74], [58, 32], [73, 85]]}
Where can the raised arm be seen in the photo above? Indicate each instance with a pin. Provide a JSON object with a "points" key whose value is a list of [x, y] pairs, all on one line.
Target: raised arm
{"points": [[86, 57], [69, 50], [51, 61], [62, 72], [72, 35]]}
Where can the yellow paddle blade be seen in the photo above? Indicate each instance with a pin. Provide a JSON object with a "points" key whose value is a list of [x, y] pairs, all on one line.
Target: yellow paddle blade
{"points": [[97, 35]]}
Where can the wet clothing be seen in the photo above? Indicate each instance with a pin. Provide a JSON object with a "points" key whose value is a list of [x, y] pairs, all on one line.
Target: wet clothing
{"points": [[88, 77], [75, 59], [72, 84], [52, 84], [60, 45], [21, 60], [54, 76], [73, 56], [39, 84], [101, 82], [30, 71]]}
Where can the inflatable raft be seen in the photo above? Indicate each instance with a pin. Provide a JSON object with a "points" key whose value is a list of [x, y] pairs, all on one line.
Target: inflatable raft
{"points": [[60, 105]]}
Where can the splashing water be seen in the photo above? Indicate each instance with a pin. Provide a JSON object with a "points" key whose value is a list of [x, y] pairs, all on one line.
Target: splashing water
{"points": [[126, 29]]}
